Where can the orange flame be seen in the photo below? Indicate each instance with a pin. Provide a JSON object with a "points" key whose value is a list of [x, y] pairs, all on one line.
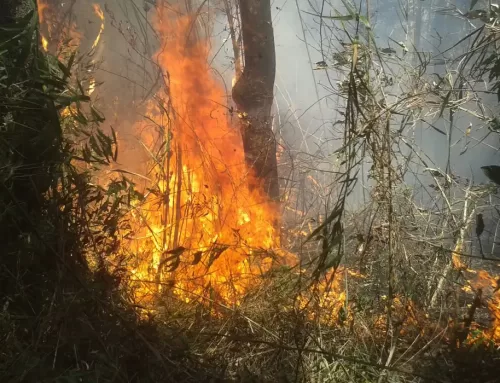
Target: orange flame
{"points": [[99, 13], [91, 88], [200, 225], [328, 298], [491, 290], [42, 9], [66, 38]]}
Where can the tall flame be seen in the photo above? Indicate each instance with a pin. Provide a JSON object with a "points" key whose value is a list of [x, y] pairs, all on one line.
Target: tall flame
{"points": [[201, 226], [42, 8], [99, 13]]}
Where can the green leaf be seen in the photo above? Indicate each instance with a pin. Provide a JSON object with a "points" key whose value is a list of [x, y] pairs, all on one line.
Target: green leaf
{"points": [[14, 31], [105, 144], [96, 115], [80, 117], [51, 80], [350, 8], [365, 21], [82, 91], [63, 69], [115, 188], [86, 154], [68, 100], [341, 17], [136, 196], [94, 146], [70, 63], [333, 215]]}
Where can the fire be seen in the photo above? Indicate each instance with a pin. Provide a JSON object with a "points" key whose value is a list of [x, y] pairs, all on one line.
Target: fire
{"points": [[328, 298], [99, 13], [55, 36], [45, 43], [42, 8], [491, 291], [201, 230], [201, 227]]}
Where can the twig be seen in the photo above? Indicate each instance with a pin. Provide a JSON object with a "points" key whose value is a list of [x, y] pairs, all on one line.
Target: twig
{"points": [[332, 355], [466, 220]]}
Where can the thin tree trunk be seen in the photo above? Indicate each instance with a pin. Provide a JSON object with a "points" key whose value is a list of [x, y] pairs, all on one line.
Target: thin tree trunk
{"points": [[253, 93]]}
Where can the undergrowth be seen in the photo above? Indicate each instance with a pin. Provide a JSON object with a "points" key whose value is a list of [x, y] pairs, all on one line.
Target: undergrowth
{"points": [[61, 318]]}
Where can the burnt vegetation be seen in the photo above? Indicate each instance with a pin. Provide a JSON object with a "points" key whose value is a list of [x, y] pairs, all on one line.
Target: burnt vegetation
{"points": [[399, 289]]}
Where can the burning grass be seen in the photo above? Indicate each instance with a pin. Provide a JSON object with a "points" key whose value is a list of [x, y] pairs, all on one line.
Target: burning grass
{"points": [[202, 225]]}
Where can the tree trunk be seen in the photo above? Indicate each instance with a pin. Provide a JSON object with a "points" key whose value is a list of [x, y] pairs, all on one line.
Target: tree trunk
{"points": [[253, 93]]}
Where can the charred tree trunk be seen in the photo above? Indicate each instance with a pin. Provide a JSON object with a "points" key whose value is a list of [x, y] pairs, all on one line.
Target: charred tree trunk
{"points": [[253, 93]]}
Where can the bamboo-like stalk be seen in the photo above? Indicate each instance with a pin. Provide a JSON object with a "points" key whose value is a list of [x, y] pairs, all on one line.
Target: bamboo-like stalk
{"points": [[238, 64], [457, 249]]}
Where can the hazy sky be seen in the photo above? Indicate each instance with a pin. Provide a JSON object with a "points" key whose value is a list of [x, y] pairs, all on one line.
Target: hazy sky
{"points": [[431, 30]]}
